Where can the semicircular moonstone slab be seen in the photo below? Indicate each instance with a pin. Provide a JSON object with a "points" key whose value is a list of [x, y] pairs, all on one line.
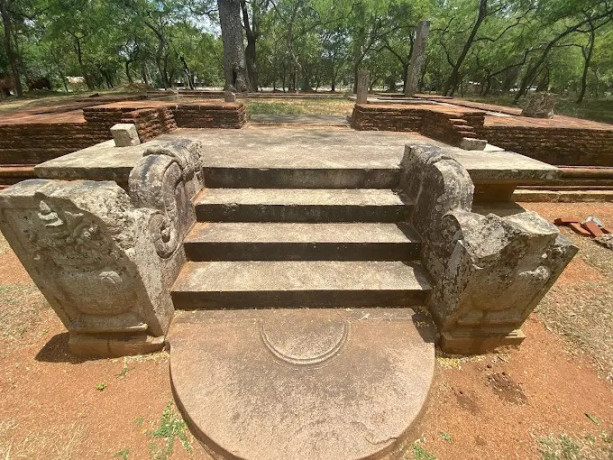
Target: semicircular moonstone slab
{"points": [[305, 340], [302, 383]]}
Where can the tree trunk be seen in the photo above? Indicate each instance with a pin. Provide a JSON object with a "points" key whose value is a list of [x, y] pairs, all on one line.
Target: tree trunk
{"points": [[235, 68], [128, 74], [250, 50], [453, 80], [587, 55], [8, 46], [413, 71], [86, 76], [188, 73]]}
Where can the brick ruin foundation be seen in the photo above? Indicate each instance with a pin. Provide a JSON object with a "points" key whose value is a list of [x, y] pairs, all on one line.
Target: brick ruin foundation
{"points": [[35, 137], [561, 141]]}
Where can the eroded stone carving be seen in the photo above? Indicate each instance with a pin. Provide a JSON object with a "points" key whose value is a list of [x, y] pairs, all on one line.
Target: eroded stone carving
{"points": [[165, 181], [83, 245], [489, 272], [540, 105]]}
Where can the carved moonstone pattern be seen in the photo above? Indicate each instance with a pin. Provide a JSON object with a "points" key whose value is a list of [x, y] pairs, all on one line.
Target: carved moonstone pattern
{"points": [[304, 342]]}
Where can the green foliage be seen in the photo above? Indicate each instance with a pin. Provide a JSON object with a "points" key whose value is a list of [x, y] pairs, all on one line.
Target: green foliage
{"points": [[565, 447], [122, 454], [171, 428], [316, 44], [420, 453]]}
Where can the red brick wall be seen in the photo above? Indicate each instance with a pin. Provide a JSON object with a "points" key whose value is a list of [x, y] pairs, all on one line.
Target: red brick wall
{"points": [[210, 115], [436, 122], [557, 146], [35, 143]]}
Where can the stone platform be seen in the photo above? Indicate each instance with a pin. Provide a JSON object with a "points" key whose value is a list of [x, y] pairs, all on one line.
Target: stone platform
{"points": [[311, 384], [37, 135], [561, 140], [197, 236]]}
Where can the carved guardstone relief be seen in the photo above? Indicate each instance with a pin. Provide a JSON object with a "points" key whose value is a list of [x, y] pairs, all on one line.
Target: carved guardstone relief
{"points": [[83, 244], [489, 272], [106, 260]]}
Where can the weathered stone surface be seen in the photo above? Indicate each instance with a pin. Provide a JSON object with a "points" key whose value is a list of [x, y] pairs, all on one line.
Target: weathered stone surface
{"points": [[83, 245], [436, 184], [229, 96], [497, 270], [299, 205], [103, 258], [104, 161], [362, 87], [302, 384], [489, 272], [125, 134], [295, 241], [469, 143], [249, 284], [540, 105]]}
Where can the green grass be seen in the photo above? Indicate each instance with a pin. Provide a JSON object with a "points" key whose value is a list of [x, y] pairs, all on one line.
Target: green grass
{"points": [[418, 452], [297, 106], [171, 428], [565, 447], [590, 109]]}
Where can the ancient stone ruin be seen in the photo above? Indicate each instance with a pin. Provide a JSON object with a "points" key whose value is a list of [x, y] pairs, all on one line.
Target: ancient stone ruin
{"points": [[322, 270], [540, 105]]}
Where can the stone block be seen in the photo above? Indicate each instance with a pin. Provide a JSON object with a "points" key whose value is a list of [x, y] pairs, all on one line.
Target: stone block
{"points": [[229, 96], [468, 143], [489, 272], [83, 244], [105, 259], [125, 134]]}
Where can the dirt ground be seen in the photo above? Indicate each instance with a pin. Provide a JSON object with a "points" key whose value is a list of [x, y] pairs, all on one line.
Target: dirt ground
{"points": [[552, 398]]}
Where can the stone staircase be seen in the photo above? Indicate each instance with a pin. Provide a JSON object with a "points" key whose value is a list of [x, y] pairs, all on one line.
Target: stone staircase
{"points": [[462, 128], [300, 247], [259, 260]]}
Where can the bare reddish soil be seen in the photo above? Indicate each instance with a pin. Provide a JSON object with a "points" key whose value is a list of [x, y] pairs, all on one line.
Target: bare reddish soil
{"points": [[548, 397]]}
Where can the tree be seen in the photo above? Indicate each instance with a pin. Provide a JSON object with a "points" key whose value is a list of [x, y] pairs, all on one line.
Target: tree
{"points": [[235, 68]]}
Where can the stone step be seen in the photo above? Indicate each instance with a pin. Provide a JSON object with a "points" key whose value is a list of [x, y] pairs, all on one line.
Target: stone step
{"points": [[299, 205], [301, 241], [303, 384], [301, 178], [300, 164], [252, 284]]}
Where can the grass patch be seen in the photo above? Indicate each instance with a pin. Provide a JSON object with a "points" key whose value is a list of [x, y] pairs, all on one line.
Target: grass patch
{"points": [[565, 447], [596, 110], [297, 106], [20, 307], [122, 454], [171, 428], [58, 442], [419, 452], [582, 312]]}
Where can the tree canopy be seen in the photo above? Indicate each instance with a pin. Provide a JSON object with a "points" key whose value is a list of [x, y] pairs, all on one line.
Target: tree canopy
{"points": [[488, 46]]}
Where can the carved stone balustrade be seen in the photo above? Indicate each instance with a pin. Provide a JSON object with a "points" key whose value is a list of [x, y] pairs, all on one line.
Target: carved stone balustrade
{"points": [[105, 258], [489, 271]]}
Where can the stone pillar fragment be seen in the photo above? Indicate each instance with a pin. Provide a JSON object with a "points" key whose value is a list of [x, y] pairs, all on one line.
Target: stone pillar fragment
{"points": [[363, 84], [417, 58]]}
